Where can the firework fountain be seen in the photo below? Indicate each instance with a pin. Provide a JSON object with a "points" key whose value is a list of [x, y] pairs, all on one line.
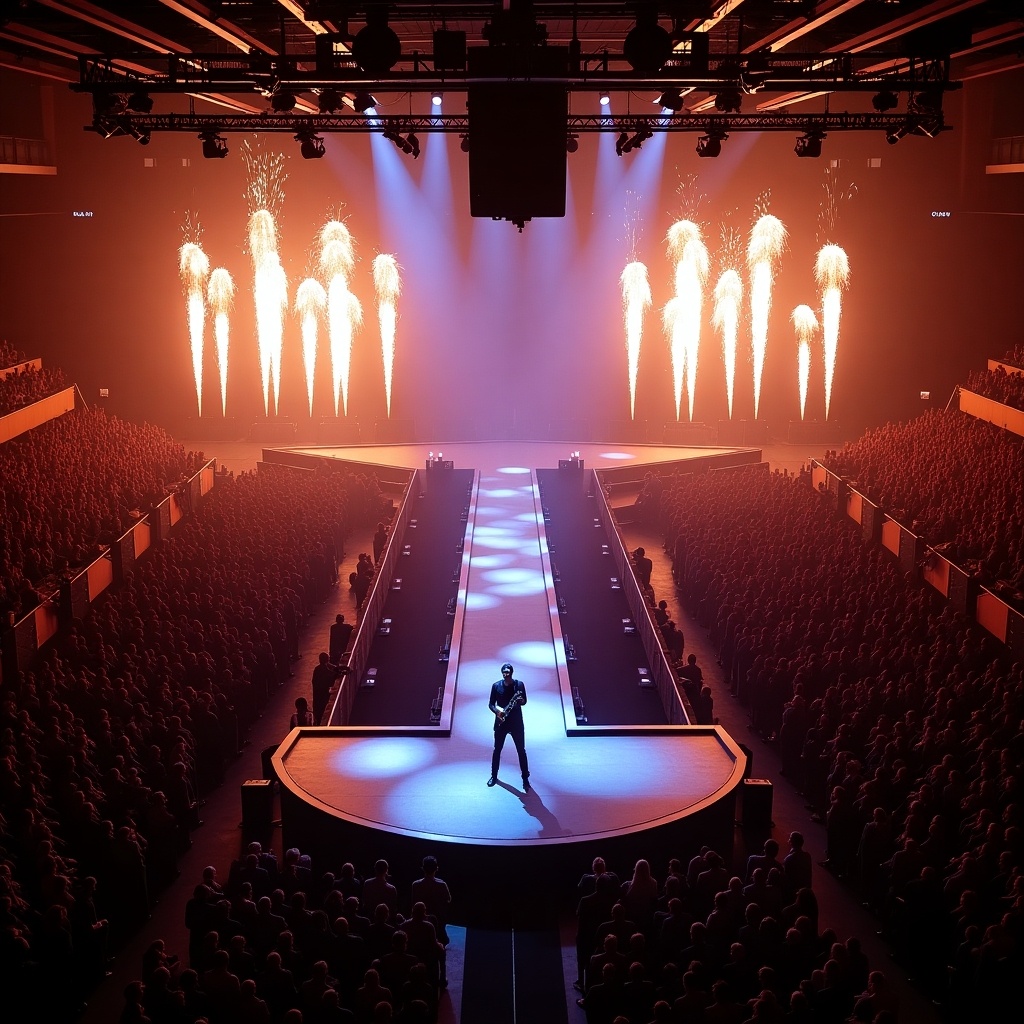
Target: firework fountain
{"points": [[682, 316], [805, 323], [728, 299], [636, 300], [767, 240], [221, 295], [832, 272], [344, 313], [388, 285], [265, 195], [310, 303], [194, 267]]}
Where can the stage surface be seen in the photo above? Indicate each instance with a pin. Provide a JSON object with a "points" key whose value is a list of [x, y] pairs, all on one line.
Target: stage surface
{"points": [[429, 785]]}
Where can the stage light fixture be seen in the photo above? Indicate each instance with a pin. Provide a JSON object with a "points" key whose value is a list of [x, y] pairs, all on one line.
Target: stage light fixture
{"points": [[215, 147], [647, 45], [413, 145], [896, 134], [310, 146], [572, 142], [809, 145], [361, 101], [670, 99], [710, 145], [376, 48], [884, 100], [329, 101], [622, 144], [282, 100], [106, 103], [436, 98], [140, 102], [605, 98], [464, 143], [755, 73], [728, 100]]}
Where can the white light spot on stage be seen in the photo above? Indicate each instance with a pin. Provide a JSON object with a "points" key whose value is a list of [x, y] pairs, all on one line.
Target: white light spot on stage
{"points": [[514, 582], [476, 601], [534, 653], [383, 756], [617, 456], [498, 492], [492, 561], [513, 469], [530, 517]]}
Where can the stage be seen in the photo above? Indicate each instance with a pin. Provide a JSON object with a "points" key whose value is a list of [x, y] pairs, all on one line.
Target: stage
{"points": [[624, 791]]}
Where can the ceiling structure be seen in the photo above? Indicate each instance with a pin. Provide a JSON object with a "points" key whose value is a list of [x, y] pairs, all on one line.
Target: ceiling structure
{"points": [[741, 58]]}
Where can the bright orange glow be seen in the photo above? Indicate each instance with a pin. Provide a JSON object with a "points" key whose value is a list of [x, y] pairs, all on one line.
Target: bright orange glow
{"points": [[806, 324], [767, 240], [193, 267], [832, 272], [221, 295]]}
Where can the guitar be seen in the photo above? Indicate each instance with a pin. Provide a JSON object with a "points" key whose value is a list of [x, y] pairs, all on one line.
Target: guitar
{"points": [[517, 699]]}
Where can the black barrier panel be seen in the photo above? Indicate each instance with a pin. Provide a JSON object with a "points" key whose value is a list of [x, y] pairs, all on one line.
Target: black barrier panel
{"points": [[123, 553], [25, 644], [80, 595], [908, 552], [871, 521], [959, 589], [1015, 632]]}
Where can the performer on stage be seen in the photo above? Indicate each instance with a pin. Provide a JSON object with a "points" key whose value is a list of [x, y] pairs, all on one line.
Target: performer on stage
{"points": [[508, 696]]}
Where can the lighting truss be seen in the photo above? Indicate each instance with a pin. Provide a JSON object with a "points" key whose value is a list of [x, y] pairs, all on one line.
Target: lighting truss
{"points": [[706, 123], [261, 73]]}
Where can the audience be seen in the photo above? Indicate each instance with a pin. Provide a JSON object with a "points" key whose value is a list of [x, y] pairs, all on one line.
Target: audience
{"points": [[109, 742], [1007, 388]]}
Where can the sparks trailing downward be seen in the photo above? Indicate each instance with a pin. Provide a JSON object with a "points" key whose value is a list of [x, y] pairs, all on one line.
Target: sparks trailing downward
{"points": [[344, 313], [687, 251], [221, 295], [310, 302], [388, 284], [767, 240], [270, 292], [728, 296], [805, 323], [832, 272], [636, 300], [194, 266]]}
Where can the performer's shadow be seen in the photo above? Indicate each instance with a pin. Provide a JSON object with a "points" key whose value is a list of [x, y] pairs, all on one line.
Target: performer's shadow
{"points": [[533, 804]]}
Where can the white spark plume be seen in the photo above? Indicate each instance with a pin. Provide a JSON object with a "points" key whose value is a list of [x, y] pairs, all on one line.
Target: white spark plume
{"points": [[686, 248], [832, 272], [767, 241], [310, 303], [193, 267], [388, 285], [221, 296], [728, 297], [636, 300], [805, 323]]}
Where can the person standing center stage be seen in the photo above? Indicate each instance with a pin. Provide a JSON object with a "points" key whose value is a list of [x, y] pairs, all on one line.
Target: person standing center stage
{"points": [[508, 721]]}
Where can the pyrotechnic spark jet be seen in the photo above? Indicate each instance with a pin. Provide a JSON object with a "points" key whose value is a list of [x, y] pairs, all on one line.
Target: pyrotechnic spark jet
{"points": [[806, 324], [344, 313], [832, 272], [194, 266], [728, 296], [672, 324], [388, 284], [310, 302], [687, 250], [636, 300], [767, 240], [221, 295], [265, 195]]}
